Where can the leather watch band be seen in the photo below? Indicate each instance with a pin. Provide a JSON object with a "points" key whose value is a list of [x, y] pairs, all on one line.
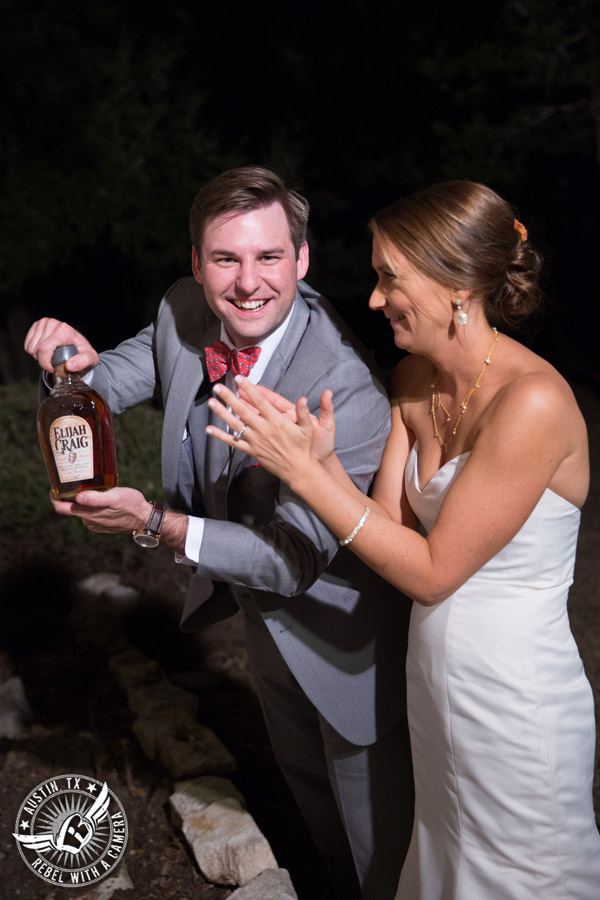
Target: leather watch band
{"points": [[149, 536], [154, 523]]}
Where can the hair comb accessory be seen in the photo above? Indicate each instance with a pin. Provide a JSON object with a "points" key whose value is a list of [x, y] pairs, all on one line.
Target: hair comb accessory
{"points": [[521, 229]]}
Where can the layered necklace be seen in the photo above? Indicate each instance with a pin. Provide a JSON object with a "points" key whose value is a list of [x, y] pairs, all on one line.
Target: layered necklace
{"points": [[460, 408]]}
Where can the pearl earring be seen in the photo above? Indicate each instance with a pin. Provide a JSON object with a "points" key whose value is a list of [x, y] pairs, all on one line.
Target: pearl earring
{"points": [[462, 316]]}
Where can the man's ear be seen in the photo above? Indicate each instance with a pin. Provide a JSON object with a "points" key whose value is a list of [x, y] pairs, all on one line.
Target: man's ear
{"points": [[196, 267], [302, 261]]}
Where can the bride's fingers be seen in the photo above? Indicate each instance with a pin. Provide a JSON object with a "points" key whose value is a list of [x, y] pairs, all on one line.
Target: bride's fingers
{"points": [[262, 404], [280, 403], [240, 408], [304, 417], [326, 410], [234, 423], [242, 403], [225, 414], [229, 437], [229, 398]]}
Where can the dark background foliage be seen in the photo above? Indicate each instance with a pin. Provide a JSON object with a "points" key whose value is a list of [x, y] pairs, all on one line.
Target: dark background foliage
{"points": [[113, 114]]}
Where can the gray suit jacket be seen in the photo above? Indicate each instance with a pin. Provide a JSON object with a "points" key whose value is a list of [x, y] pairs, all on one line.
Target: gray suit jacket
{"points": [[340, 628]]}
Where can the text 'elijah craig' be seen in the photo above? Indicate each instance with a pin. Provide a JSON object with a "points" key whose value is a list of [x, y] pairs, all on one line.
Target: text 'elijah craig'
{"points": [[76, 433]]}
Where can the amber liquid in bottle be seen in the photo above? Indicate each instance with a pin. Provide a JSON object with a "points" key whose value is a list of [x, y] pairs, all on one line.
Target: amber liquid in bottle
{"points": [[76, 434]]}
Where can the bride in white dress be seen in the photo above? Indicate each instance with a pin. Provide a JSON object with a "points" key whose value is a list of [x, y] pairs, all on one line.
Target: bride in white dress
{"points": [[474, 514]]}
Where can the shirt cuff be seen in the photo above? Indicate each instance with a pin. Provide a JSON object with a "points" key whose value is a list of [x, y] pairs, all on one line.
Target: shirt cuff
{"points": [[193, 542]]}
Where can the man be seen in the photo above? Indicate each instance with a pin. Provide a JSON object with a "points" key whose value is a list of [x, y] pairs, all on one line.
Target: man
{"points": [[325, 637]]}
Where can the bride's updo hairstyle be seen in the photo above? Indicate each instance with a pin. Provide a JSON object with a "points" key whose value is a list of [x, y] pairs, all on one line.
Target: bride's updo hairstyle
{"points": [[464, 236]]}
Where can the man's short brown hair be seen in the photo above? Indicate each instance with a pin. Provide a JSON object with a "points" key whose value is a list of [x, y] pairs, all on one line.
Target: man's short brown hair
{"points": [[242, 190]]}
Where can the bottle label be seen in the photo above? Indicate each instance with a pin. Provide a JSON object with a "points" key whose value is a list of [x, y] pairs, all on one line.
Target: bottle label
{"points": [[73, 448]]}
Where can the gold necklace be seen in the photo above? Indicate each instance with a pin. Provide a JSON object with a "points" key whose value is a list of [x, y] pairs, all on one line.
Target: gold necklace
{"points": [[462, 406]]}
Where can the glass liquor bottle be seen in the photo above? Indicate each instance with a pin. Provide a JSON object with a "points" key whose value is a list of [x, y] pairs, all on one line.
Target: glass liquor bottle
{"points": [[76, 433]]}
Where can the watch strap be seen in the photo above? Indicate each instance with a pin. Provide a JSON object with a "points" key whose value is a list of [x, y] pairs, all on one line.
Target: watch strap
{"points": [[154, 523], [151, 529]]}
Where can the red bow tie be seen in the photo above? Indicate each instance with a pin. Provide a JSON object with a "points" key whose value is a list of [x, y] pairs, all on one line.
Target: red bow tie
{"points": [[220, 358]]}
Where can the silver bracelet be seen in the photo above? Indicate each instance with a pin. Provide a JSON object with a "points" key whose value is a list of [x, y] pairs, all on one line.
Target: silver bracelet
{"points": [[357, 528]]}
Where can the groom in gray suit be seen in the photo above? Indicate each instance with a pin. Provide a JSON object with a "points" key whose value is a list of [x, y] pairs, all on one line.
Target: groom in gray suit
{"points": [[325, 636]]}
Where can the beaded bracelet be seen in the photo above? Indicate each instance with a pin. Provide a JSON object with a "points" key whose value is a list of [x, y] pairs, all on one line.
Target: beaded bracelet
{"points": [[357, 528]]}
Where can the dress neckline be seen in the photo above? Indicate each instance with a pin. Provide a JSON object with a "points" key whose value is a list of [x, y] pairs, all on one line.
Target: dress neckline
{"points": [[457, 460], [450, 462]]}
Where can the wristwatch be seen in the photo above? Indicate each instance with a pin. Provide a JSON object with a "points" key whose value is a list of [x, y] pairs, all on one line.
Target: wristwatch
{"points": [[149, 536]]}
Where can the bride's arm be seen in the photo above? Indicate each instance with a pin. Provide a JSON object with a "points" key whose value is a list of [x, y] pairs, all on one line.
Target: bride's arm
{"points": [[514, 458], [387, 494]]}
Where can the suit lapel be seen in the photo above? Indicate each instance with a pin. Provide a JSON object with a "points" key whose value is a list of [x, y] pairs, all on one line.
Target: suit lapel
{"points": [[278, 367], [189, 389], [285, 352]]}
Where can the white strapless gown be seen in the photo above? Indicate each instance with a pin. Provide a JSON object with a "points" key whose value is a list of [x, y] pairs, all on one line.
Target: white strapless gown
{"points": [[502, 722]]}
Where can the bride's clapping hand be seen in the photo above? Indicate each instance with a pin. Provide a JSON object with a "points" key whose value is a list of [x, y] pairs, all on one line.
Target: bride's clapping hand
{"points": [[323, 442], [283, 437]]}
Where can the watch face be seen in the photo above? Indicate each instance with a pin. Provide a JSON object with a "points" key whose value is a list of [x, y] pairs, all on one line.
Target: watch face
{"points": [[146, 540]]}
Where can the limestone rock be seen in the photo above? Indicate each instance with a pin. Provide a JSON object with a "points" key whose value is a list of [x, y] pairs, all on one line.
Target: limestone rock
{"points": [[130, 667], [15, 712], [105, 889], [224, 838], [100, 605], [107, 585], [184, 747], [158, 697], [195, 794], [272, 884]]}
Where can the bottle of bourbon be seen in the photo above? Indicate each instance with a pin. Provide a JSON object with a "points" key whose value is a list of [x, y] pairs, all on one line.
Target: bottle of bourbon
{"points": [[76, 433]]}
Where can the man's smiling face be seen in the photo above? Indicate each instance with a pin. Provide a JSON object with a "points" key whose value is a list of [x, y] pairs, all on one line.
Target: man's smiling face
{"points": [[249, 271]]}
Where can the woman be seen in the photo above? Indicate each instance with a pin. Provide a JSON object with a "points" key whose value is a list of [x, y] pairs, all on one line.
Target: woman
{"points": [[488, 452]]}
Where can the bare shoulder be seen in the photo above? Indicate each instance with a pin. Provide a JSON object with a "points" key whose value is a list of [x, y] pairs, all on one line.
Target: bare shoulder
{"points": [[534, 386], [534, 418], [411, 379]]}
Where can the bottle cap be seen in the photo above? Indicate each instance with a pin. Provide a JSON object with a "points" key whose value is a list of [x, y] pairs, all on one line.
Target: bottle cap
{"points": [[63, 353]]}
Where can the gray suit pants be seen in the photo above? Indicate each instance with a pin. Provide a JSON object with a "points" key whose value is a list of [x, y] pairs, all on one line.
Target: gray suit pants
{"points": [[356, 801]]}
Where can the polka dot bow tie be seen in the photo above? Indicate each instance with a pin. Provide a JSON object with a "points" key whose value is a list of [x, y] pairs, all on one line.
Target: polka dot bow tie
{"points": [[220, 358]]}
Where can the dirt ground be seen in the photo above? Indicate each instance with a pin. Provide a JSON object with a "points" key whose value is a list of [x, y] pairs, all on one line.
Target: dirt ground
{"points": [[82, 725]]}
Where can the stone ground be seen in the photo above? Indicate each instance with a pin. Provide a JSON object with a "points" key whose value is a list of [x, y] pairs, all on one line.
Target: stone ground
{"points": [[82, 724]]}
